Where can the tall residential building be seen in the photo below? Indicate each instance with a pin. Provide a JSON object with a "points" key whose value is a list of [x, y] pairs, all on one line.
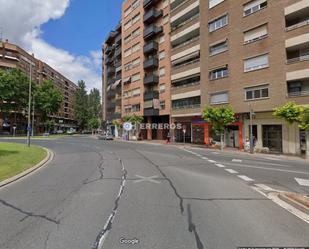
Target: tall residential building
{"points": [[250, 54], [12, 56]]}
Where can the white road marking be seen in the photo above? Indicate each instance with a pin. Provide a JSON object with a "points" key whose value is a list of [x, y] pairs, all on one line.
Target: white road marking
{"points": [[231, 171], [302, 182], [246, 178], [265, 187], [211, 161], [257, 167], [220, 165], [147, 179], [275, 198], [205, 158], [237, 160], [215, 153]]}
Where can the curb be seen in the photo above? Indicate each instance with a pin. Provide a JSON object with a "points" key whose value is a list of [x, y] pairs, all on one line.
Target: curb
{"points": [[45, 161], [298, 201]]}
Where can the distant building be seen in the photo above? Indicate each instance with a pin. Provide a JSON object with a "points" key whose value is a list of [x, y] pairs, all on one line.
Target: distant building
{"points": [[12, 56]]}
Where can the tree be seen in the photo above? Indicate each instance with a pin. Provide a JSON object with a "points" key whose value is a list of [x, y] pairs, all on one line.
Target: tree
{"points": [[81, 105], [293, 113], [219, 118], [14, 89], [93, 124], [48, 99], [135, 120], [94, 103]]}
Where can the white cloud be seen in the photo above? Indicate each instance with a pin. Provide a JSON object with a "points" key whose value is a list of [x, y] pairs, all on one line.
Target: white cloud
{"points": [[21, 25]]}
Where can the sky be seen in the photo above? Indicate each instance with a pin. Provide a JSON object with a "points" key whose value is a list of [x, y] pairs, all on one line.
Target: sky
{"points": [[66, 34]]}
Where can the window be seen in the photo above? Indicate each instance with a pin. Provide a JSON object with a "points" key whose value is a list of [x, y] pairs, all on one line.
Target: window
{"points": [[127, 108], [218, 23], [136, 47], [136, 18], [127, 52], [218, 48], [136, 32], [255, 63], [219, 98], [162, 105], [257, 92], [254, 6], [255, 34], [192, 102], [135, 77], [136, 92], [161, 39], [127, 25], [136, 62], [127, 66], [136, 108], [161, 55], [219, 73], [165, 19], [127, 39], [162, 71], [213, 3], [162, 88], [127, 11], [135, 4]]}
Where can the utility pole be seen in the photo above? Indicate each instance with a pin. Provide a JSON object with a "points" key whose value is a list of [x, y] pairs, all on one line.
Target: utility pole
{"points": [[32, 131], [29, 107]]}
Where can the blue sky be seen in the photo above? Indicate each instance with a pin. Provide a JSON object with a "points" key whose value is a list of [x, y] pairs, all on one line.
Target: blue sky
{"points": [[84, 25]]}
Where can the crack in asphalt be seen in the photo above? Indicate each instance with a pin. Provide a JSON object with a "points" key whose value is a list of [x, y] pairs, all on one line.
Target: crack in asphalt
{"points": [[28, 214], [191, 225], [225, 199], [108, 225], [192, 228], [46, 240]]}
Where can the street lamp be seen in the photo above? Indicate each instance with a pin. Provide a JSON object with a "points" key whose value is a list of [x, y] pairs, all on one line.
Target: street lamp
{"points": [[32, 130], [251, 131], [29, 107]]}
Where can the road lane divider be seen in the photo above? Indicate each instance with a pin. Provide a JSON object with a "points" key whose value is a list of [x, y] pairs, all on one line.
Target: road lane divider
{"points": [[245, 178]]}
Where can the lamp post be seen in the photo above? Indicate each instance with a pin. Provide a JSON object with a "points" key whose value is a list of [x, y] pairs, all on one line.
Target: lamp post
{"points": [[29, 108], [251, 131], [32, 130]]}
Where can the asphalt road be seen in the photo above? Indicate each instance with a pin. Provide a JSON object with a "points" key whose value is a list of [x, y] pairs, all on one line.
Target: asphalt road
{"points": [[114, 195]]}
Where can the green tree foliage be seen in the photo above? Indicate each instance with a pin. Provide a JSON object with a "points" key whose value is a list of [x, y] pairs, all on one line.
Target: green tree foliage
{"points": [[81, 105], [48, 99], [134, 119], [93, 123], [94, 103], [14, 88], [219, 118], [304, 120], [116, 123], [290, 112]]}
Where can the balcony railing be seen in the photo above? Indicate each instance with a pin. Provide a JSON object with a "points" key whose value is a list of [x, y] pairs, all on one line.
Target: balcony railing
{"points": [[186, 43], [186, 64], [151, 112], [195, 83], [149, 3], [150, 47], [185, 22], [151, 79], [186, 107], [152, 15], [151, 63], [298, 59], [297, 25], [298, 94], [152, 30], [151, 95]]}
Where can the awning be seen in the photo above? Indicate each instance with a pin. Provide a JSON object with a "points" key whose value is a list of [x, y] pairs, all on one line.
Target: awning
{"points": [[108, 88], [127, 80], [186, 57], [116, 84]]}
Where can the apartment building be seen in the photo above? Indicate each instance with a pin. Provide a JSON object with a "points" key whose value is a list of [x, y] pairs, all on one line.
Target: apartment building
{"points": [[12, 56], [112, 76], [250, 54]]}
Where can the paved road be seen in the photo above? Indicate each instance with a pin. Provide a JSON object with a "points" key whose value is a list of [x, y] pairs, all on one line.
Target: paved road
{"points": [[104, 194]]}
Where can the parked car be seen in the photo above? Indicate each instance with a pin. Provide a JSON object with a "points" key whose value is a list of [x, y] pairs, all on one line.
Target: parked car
{"points": [[105, 136], [59, 132]]}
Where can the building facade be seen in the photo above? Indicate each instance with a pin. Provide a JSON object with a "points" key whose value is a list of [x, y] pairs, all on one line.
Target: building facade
{"points": [[250, 54], [12, 56]]}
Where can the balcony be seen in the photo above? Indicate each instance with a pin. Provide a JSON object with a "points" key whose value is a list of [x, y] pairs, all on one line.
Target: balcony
{"points": [[149, 95], [118, 40], [118, 52], [151, 15], [111, 105], [151, 79], [149, 3], [298, 88], [110, 70], [109, 60], [151, 47], [111, 93], [151, 63], [152, 30], [298, 54], [177, 3], [151, 112], [108, 49], [296, 19]]}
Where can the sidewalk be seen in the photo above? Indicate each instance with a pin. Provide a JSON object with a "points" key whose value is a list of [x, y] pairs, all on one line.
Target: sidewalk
{"points": [[226, 150]]}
